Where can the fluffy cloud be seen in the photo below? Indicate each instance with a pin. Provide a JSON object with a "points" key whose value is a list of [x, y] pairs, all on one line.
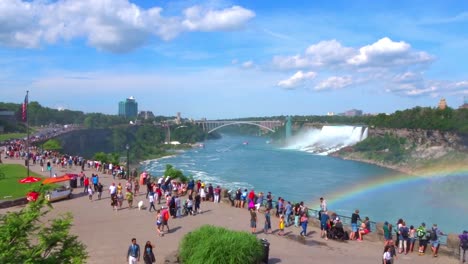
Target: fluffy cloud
{"points": [[248, 64], [386, 52], [334, 82], [298, 79], [113, 25], [327, 53], [291, 62], [200, 19]]}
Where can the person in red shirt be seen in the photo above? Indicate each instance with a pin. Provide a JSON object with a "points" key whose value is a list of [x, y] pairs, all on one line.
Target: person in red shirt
{"points": [[251, 196], [86, 184]]}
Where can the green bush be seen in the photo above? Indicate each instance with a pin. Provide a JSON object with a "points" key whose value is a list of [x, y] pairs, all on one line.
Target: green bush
{"points": [[213, 245]]}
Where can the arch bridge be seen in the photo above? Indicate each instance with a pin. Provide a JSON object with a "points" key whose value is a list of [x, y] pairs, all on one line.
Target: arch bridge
{"points": [[213, 125]]}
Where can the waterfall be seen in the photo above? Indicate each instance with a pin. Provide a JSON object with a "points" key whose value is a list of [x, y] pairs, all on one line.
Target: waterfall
{"points": [[328, 139]]}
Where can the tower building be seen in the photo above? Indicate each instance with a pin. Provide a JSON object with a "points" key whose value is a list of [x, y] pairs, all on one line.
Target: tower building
{"points": [[128, 108]]}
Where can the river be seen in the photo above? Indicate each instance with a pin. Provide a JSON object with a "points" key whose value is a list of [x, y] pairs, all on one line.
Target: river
{"points": [[250, 162]]}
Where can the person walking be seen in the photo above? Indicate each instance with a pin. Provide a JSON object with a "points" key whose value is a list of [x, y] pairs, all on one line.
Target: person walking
{"points": [[267, 226], [90, 193], [86, 184], [253, 220], [324, 221], [151, 201], [148, 255], [403, 238], [387, 256], [354, 226], [281, 226], [129, 198], [99, 190], [217, 192], [463, 246], [288, 213], [434, 237], [304, 221], [323, 207], [133, 253]]}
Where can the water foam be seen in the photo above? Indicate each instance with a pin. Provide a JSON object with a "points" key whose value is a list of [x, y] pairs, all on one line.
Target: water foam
{"points": [[328, 139]]}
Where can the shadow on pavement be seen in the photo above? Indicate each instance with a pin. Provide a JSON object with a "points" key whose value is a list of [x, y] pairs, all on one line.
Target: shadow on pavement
{"points": [[274, 260]]}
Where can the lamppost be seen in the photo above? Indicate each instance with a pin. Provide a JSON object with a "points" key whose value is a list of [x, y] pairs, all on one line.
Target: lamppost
{"points": [[127, 147]]}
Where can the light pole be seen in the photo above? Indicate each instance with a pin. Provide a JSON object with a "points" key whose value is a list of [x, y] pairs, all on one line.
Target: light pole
{"points": [[127, 147]]}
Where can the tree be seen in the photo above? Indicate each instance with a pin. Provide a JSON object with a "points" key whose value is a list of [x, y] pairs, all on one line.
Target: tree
{"points": [[52, 144], [26, 238]]}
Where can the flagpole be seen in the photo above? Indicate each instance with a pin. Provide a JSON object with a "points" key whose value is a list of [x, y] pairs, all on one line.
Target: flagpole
{"points": [[27, 131]]}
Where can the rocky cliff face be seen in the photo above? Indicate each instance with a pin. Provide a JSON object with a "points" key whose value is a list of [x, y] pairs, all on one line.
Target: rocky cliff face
{"points": [[427, 144], [424, 149]]}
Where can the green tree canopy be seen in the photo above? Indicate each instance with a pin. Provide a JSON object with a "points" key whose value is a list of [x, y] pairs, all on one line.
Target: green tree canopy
{"points": [[52, 144], [26, 238]]}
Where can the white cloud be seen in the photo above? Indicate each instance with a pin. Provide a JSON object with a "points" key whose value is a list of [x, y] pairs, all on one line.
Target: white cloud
{"points": [[334, 82], [291, 62], [328, 52], [200, 19], [298, 79], [385, 53], [112, 25], [248, 64]]}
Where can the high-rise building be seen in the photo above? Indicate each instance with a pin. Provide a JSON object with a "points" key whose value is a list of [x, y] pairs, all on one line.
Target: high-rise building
{"points": [[128, 108], [145, 115]]}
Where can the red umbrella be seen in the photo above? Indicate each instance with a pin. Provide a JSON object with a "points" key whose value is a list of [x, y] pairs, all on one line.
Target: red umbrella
{"points": [[30, 179], [32, 196]]}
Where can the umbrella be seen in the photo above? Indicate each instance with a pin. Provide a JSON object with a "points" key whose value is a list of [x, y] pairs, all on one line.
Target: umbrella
{"points": [[30, 179], [57, 179], [32, 196]]}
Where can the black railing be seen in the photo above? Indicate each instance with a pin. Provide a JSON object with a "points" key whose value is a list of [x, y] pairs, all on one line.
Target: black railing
{"points": [[346, 220]]}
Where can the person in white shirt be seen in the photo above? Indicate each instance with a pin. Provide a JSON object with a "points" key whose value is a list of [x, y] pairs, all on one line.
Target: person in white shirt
{"points": [[112, 189], [387, 256], [151, 201]]}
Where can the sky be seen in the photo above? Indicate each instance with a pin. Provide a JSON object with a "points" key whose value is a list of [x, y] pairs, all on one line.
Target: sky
{"points": [[225, 59]]}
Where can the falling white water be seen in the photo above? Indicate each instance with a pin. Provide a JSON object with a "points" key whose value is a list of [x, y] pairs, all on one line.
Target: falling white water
{"points": [[328, 139]]}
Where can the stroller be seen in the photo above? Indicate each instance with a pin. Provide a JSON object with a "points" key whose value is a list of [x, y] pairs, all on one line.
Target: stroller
{"points": [[337, 232], [186, 211]]}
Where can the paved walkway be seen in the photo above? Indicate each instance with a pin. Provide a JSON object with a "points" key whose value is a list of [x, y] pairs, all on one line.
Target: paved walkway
{"points": [[107, 233]]}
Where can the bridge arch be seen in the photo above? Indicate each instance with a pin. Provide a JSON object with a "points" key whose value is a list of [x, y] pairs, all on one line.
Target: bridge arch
{"points": [[243, 123]]}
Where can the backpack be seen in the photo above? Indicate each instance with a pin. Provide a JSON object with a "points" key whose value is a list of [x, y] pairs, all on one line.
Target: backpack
{"points": [[433, 236], [421, 232], [404, 232], [464, 243], [166, 215]]}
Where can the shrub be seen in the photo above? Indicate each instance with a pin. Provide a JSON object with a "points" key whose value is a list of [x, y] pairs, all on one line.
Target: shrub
{"points": [[213, 245]]}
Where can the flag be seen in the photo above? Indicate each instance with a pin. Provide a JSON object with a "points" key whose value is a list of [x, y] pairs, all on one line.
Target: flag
{"points": [[24, 109]]}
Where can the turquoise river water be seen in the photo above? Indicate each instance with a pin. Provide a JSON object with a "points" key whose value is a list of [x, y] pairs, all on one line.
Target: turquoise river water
{"points": [[249, 162]]}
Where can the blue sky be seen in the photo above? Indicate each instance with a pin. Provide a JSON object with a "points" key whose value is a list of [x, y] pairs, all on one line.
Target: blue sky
{"points": [[227, 59]]}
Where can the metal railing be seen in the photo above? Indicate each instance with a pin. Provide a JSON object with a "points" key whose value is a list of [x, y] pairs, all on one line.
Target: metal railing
{"points": [[346, 220]]}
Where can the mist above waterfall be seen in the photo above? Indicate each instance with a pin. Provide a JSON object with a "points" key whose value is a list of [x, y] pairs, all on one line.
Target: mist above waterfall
{"points": [[326, 140]]}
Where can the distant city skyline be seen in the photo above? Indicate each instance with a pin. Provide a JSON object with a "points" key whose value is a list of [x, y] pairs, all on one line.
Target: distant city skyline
{"points": [[227, 59]]}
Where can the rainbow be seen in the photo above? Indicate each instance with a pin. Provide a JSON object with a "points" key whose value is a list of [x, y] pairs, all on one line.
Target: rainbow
{"points": [[392, 180]]}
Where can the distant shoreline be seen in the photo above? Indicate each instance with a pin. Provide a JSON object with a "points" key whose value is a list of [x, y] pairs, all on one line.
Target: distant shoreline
{"points": [[399, 168]]}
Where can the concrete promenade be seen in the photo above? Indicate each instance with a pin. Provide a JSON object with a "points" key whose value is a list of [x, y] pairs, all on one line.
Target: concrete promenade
{"points": [[107, 233]]}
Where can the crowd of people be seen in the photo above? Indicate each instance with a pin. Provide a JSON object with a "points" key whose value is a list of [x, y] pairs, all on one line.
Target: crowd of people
{"points": [[182, 199]]}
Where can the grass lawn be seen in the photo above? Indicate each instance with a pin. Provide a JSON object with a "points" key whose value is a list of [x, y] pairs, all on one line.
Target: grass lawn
{"points": [[8, 136], [10, 188]]}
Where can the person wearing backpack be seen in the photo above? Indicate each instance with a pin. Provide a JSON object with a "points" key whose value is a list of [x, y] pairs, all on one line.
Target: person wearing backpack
{"points": [[434, 237], [421, 234], [463, 245], [404, 234]]}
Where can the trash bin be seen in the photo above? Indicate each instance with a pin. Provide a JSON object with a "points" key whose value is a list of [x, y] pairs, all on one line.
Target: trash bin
{"points": [[266, 250], [73, 183]]}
